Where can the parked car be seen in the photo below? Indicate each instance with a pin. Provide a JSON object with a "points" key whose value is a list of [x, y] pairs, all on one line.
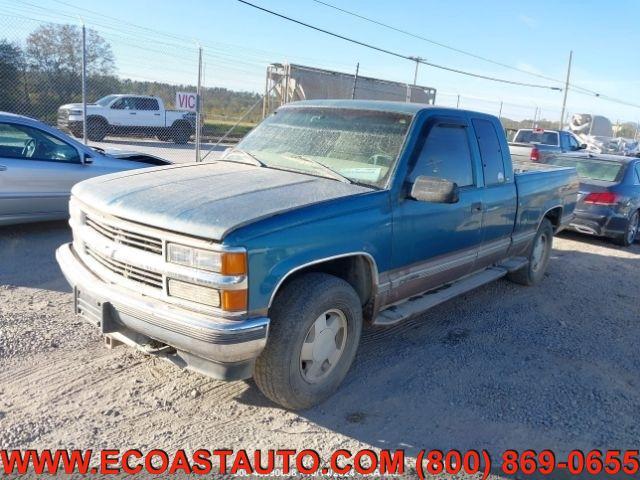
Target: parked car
{"points": [[39, 164], [535, 144], [327, 215], [128, 115], [609, 197]]}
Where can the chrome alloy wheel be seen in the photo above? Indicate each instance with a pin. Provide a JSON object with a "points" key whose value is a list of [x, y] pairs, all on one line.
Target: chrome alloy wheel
{"points": [[323, 345], [539, 249]]}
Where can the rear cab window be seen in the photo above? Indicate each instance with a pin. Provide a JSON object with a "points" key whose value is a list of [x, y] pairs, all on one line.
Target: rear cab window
{"points": [[542, 138], [591, 168], [490, 152]]}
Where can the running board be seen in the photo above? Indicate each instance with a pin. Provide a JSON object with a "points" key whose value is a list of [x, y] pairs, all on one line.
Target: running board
{"points": [[423, 302]]}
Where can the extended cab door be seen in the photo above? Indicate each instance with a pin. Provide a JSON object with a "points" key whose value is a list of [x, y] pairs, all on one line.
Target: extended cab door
{"points": [[435, 243], [148, 112], [499, 198]]}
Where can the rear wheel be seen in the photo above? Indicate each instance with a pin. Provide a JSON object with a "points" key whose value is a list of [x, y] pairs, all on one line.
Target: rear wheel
{"points": [[181, 133], [533, 272], [631, 231], [315, 329]]}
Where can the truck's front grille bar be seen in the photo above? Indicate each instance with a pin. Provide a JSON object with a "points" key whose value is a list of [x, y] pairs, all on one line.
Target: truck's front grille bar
{"points": [[125, 237], [129, 272]]}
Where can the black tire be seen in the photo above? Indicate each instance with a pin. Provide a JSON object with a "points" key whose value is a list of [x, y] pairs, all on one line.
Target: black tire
{"points": [[97, 129], [631, 231], [533, 272], [181, 133], [77, 133], [279, 369], [164, 137]]}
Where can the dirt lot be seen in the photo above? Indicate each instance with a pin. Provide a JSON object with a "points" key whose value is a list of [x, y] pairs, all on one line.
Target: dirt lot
{"points": [[554, 366]]}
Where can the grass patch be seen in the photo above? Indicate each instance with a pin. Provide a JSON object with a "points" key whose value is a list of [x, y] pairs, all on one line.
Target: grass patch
{"points": [[216, 128]]}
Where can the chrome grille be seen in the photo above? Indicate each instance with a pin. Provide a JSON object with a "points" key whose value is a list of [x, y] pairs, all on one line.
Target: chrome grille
{"points": [[119, 235], [127, 271]]}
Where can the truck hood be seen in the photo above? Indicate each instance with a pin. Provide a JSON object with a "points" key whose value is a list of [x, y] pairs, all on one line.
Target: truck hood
{"points": [[206, 200]]}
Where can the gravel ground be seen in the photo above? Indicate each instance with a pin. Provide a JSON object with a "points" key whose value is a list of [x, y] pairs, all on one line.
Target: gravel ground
{"points": [[553, 366]]}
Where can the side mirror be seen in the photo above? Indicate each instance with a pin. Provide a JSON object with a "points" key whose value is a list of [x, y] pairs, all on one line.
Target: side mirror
{"points": [[86, 159], [583, 146], [434, 190]]}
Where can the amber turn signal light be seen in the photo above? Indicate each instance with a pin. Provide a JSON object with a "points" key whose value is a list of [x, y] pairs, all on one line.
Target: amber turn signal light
{"points": [[234, 300], [234, 263]]}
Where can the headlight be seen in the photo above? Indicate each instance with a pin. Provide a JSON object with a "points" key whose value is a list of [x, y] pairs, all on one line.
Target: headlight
{"points": [[75, 112], [226, 263]]}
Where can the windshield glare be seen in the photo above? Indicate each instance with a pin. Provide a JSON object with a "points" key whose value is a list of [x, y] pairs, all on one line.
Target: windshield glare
{"points": [[361, 145], [104, 101], [591, 168]]}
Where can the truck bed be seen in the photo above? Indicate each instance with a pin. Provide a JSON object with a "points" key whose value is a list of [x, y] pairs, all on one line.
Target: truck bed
{"points": [[542, 187]]}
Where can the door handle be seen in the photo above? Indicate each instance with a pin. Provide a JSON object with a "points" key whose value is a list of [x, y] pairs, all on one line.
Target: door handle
{"points": [[3, 168], [476, 207], [132, 113]]}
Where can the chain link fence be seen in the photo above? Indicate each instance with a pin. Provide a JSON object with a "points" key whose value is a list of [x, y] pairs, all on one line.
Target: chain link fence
{"points": [[141, 85]]}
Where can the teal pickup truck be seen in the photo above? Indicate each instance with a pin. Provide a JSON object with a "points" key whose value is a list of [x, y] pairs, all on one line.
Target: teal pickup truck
{"points": [[328, 215]]}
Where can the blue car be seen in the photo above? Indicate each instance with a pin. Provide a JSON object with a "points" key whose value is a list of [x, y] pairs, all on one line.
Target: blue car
{"points": [[609, 197]]}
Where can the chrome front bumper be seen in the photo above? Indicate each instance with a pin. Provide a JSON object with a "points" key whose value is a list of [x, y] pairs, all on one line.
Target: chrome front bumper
{"points": [[221, 348]]}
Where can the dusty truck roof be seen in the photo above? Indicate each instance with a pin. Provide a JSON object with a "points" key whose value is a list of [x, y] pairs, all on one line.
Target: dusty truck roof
{"points": [[379, 105]]}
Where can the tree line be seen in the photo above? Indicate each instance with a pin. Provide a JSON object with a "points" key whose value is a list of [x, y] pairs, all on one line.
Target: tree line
{"points": [[35, 79]]}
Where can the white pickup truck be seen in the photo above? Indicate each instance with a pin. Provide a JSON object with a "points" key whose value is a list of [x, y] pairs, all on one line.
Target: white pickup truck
{"points": [[124, 114]]}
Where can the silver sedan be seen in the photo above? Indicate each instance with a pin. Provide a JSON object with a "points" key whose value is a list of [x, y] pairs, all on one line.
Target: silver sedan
{"points": [[39, 164]]}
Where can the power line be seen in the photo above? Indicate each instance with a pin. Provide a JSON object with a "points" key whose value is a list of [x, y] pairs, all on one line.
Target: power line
{"points": [[576, 88], [434, 42], [396, 54]]}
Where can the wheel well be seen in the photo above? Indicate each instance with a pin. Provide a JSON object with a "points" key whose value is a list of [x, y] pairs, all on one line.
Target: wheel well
{"points": [[180, 124], [357, 270], [98, 118], [554, 215]]}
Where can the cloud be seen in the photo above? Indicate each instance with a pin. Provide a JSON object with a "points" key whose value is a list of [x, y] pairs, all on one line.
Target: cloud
{"points": [[528, 21]]}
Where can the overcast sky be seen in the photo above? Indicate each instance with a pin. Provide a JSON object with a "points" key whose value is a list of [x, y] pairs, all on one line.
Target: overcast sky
{"points": [[239, 42]]}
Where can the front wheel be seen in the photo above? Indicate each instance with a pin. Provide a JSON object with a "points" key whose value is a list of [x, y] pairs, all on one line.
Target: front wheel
{"points": [[316, 321], [631, 230], [533, 272]]}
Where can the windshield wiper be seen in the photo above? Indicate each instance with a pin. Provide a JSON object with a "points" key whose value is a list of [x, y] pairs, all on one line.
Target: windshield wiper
{"points": [[255, 160], [332, 173]]}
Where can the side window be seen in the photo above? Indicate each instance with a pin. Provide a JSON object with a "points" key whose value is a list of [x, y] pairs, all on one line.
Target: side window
{"points": [[28, 143], [125, 103], [490, 152], [146, 104], [638, 173], [445, 154], [573, 143]]}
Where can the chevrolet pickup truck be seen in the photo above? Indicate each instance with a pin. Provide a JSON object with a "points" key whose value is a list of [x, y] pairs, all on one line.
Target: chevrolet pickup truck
{"points": [[123, 114], [537, 144], [329, 215]]}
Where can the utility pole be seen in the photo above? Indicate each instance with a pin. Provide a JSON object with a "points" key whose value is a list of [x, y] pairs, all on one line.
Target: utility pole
{"points": [[415, 76], [199, 104], [500, 112], [355, 82], [566, 90], [84, 84]]}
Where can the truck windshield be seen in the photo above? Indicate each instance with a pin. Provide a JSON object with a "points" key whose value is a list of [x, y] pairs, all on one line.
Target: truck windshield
{"points": [[591, 168], [542, 138], [359, 145], [104, 101]]}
